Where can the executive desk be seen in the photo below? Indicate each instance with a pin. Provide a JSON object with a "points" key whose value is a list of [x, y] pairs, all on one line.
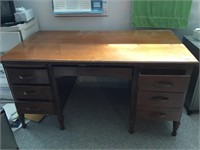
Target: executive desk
{"points": [[42, 70]]}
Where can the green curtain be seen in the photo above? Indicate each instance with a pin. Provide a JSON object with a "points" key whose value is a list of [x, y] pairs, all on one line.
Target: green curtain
{"points": [[161, 13]]}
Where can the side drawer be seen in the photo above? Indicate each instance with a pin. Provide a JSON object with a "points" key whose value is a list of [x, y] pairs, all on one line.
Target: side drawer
{"points": [[146, 112], [35, 107], [161, 99], [32, 92], [28, 76], [170, 80]]}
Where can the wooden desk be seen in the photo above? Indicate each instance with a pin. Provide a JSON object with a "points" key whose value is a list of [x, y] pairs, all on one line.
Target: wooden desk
{"points": [[42, 70]]}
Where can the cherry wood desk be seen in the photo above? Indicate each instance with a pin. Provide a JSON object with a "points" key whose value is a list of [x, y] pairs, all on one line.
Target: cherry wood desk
{"points": [[42, 70]]}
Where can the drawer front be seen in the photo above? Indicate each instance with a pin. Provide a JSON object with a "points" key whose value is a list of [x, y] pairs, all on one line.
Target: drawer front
{"points": [[32, 92], [28, 76], [161, 99], [34, 108], [93, 71], [158, 113], [170, 83]]}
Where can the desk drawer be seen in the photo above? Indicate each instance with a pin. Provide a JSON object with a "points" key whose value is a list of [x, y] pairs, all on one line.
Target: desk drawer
{"points": [[32, 92], [35, 107], [28, 76], [93, 71], [158, 113], [161, 99], [170, 80]]}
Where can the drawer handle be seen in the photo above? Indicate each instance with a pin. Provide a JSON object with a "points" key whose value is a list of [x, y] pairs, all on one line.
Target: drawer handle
{"points": [[158, 114], [163, 84], [24, 77], [33, 108], [29, 92], [159, 99]]}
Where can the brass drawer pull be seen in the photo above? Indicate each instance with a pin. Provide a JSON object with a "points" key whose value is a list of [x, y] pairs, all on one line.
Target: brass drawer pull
{"points": [[159, 99], [163, 84], [158, 114], [33, 108], [25, 77], [30, 93]]}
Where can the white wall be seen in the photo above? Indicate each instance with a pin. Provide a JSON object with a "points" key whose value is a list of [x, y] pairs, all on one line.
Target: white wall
{"points": [[119, 17]]}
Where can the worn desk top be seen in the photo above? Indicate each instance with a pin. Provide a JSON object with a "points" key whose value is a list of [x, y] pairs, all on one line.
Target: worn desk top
{"points": [[137, 46]]}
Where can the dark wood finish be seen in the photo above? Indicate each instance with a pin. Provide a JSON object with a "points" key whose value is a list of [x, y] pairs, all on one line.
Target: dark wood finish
{"points": [[32, 92], [161, 93], [63, 55], [161, 99], [62, 85], [93, 71], [170, 83], [22, 119], [122, 47], [133, 100], [61, 121], [34, 107], [147, 112], [27, 76], [24, 65], [97, 37], [29, 84], [58, 104], [176, 125], [65, 85]]}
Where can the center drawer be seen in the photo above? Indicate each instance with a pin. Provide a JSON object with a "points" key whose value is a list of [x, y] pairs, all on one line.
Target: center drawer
{"points": [[32, 92], [125, 73], [28, 76]]}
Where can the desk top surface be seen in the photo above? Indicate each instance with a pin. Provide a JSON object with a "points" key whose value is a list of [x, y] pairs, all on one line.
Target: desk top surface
{"points": [[138, 46]]}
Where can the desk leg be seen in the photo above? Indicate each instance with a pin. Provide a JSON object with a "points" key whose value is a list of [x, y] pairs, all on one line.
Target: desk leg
{"points": [[57, 101], [176, 125], [22, 119], [133, 100], [64, 86], [61, 121]]}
